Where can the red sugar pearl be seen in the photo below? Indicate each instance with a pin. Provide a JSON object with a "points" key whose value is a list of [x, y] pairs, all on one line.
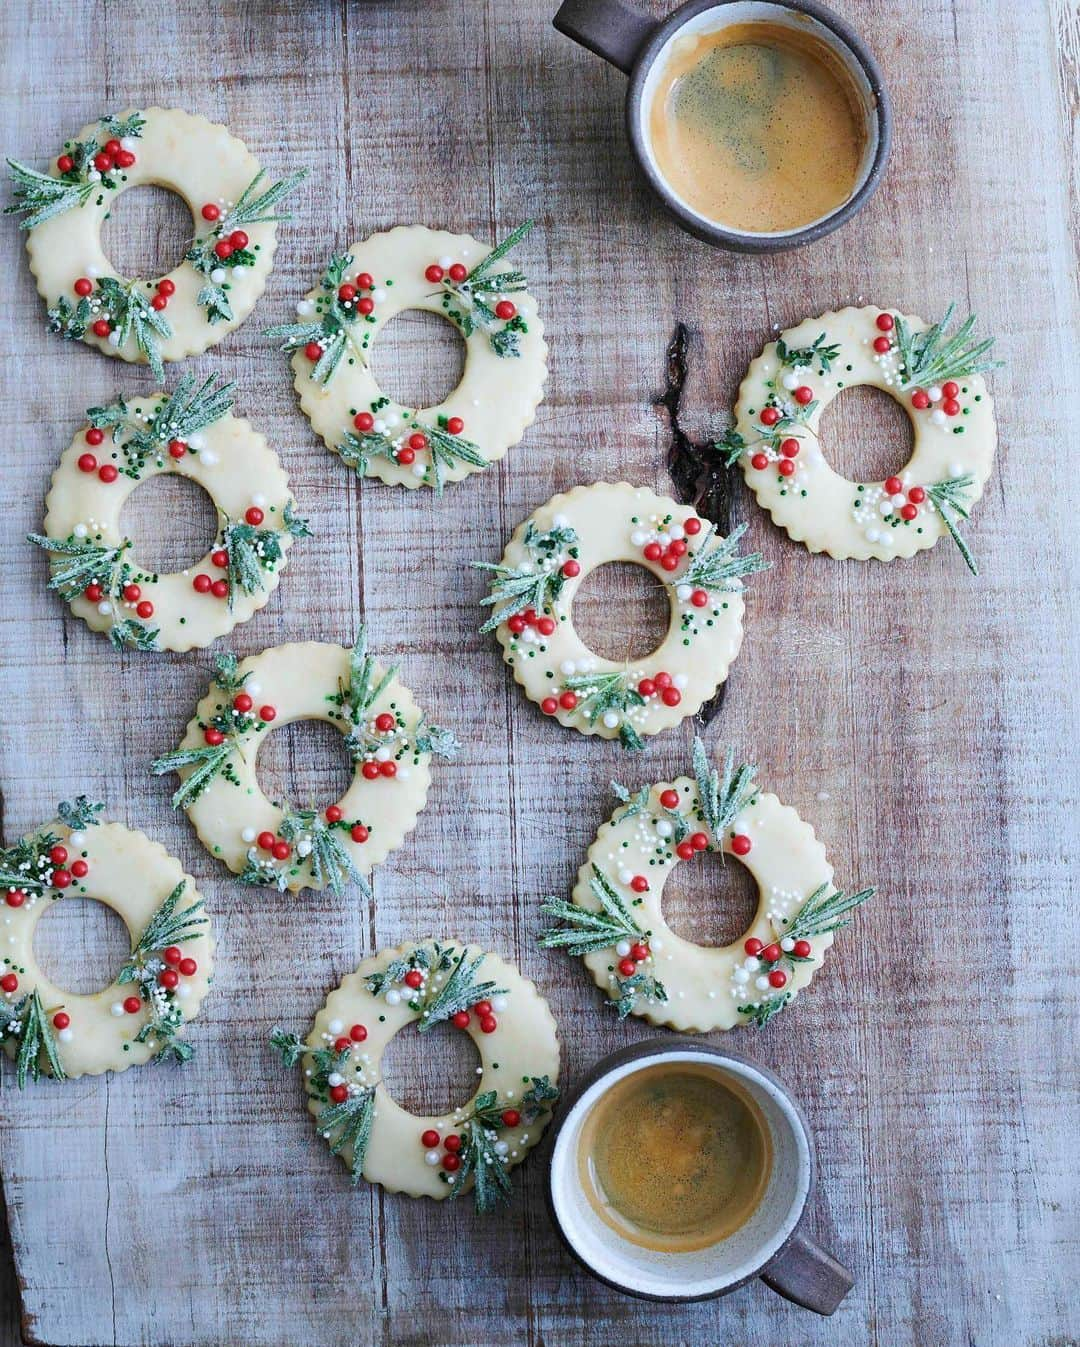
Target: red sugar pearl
{"points": [[159, 302], [786, 468], [549, 706], [313, 351], [908, 512], [172, 955], [568, 700], [916, 495], [460, 1019], [144, 609], [124, 159], [363, 421], [771, 952], [254, 515], [224, 249], [112, 148], [220, 558], [417, 441], [692, 526], [684, 851], [132, 592], [341, 1044], [266, 841], [455, 425], [406, 455], [388, 769], [177, 448], [802, 949], [885, 322], [219, 589], [699, 598], [669, 561], [760, 461], [677, 547], [102, 161], [61, 879], [414, 979], [451, 1163], [370, 771], [358, 1033], [882, 344], [511, 1117], [741, 844], [385, 722], [647, 687], [93, 593], [87, 463], [15, 898], [482, 1008], [699, 841], [166, 287], [951, 389], [803, 394], [333, 814], [65, 163], [281, 851], [545, 625], [504, 309], [777, 978], [434, 273], [83, 286], [101, 327], [169, 978], [458, 272], [671, 696], [893, 486], [517, 624], [213, 736], [188, 967], [639, 952], [769, 416], [339, 1093], [80, 869], [669, 799], [358, 833], [627, 967], [61, 1020], [571, 568], [267, 713], [639, 884], [132, 1005], [429, 1139], [242, 703], [364, 280], [211, 212], [652, 551], [789, 447], [951, 407], [238, 239], [107, 473], [920, 400], [365, 305], [9, 983]]}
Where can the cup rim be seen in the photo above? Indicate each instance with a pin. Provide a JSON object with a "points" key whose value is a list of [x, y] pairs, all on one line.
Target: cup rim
{"points": [[658, 1048], [732, 239]]}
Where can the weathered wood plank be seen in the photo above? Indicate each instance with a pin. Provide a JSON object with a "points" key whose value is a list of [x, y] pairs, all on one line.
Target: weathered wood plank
{"points": [[902, 709]]}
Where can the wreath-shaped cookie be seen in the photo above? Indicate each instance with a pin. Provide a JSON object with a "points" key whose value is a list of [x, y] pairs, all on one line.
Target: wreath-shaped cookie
{"points": [[161, 984], [223, 271], [616, 924], [471, 1147], [275, 843], [189, 433], [532, 594], [934, 375], [505, 355]]}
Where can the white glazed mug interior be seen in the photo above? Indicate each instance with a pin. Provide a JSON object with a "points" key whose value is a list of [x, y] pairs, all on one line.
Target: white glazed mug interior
{"points": [[756, 11], [700, 1272]]}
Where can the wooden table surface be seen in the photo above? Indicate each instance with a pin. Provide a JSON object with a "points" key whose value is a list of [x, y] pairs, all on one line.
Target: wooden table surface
{"points": [[922, 720]]}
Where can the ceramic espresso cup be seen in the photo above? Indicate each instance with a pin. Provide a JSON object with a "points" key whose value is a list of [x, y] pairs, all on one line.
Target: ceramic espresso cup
{"points": [[640, 46], [769, 1245]]}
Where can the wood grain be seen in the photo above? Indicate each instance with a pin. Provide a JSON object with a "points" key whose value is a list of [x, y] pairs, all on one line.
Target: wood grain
{"points": [[923, 722]]}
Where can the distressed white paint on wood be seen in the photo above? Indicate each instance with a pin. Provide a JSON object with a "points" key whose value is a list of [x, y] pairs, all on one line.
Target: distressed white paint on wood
{"points": [[919, 719]]}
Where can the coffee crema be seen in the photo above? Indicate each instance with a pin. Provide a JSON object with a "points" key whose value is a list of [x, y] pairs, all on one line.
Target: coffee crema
{"points": [[675, 1157], [758, 126]]}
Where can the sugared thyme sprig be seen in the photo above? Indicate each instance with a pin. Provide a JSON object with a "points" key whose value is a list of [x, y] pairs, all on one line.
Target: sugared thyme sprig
{"points": [[319, 843], [796, 356], [26, 1023], [357, 448], [126, 305], [824, 911], [181, 415], [950, 499], [253, 552], [603, 692], [90, 563], [722, 797], [732, 445], [332, 329], [210, 759], [40, 196], [931, 357], [720, 568], [759, 1013], [344, 1124], [253, 207], [535, 585], [80, 813], [467, 301]]}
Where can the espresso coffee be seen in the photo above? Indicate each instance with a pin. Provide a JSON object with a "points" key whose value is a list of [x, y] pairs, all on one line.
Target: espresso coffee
{"points": [[675, 1157], [758, 126]]}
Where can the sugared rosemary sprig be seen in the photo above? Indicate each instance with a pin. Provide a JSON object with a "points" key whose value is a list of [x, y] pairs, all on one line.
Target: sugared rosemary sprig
{"points": [[319, 843], [179, 416], [127, 306], [719, 568], [341, 1124], [357, 448], [931, 357], [332, 329], [603, 692], [536, 585], [254, 551], [466, 302], [27, 1023], [166, 927], [40, 196], [90, 563], [587, 931], [210, 759], [824, 911], [722, 797], [950, 499], [480, 1160]]}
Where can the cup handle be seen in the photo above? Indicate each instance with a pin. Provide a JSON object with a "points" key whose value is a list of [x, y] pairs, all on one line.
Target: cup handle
{"points": [[610, 28], [806, 1274]]}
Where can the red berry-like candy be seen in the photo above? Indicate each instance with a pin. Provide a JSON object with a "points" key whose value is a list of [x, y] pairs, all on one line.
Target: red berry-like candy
{"points": [[920, 400], [455, 425], [571, 569], [145, 609], [430, 1138], [238, 239], [220, 558], [803, 394], [511, 1117], [786, 468], [627, 967], [132, 592], [363, 421], [916, 495], [434, 273], [671, 696], [777, 978], [677, 547], [882, 344], [169, 978], [545, 625], [699, 598], [339, 1093], [517, 624], [267, 713], [365, 305], [313, 351], [385, 722], [802, 949], [9, 983], [669, 561], [417, 442], [102, 161], [101, 327], [458, 272], [663, 680], [741, 844], [771, 952], [188, 967], [692, 526], [951, 389], [61, 879], [370, 771], [93, 593], [759, 461], [211, 212], [61, 1020], [58, 855], [107, 473], [80, 869], [342, 1044], [281, 851], [177, 448], [504, 309], [639, 952], [223, 249], [254, 515], [358, 833], [166, 287], [769, 416], [652, 551], [568, 700], [639, 884], [388, 769], [908, 512], [406, 455], [951, 407], [684, 851], [242, 703], [698, 841], [488, 1024], [451, 1162], [647, 688], [15, 898], [789, 447], [893, 486], [414, 978], [87, 463], [83, 286], [358, 1033], [65, 163], [172, 955], [549, 706], [460, 1019], [364, 280], [159, 302], [219, 589], [753, 946], [132, 1005], [482, 1008], [885, 322], [669, 799], [266, 840], [213, 736]]}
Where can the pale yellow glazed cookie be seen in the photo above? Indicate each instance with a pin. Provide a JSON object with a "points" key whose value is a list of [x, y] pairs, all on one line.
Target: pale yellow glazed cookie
{"points": [[473, 1147], [223, 273], [458, 278], [276, 843], [616, 923], [545, 562], [190, 433], [142, 1014], [935, 375]]}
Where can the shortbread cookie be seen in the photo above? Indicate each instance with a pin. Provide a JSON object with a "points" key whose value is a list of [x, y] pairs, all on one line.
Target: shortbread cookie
{"points": [[532, 596], [471, 1147], [189, 433], [616, 923], [505, 355], [142, 1014], [935, 376], [222, 274], [273, 842]]}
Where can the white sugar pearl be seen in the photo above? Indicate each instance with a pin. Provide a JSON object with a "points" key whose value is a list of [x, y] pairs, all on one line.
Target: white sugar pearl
{"points": [[934, 393], [638, 538], [885, 509], [872, 535], [790, 380], [65, 1035], [208, 458], [335, 1078], [897, 500], [116, 1009], [501, 1148], [561, 521], [253, 687], [431, 1158], [393, 997], [741, 976], [80, 530], [248, 835], [93, 176], [761, 983], [680, 680], [378, 295], [498, 1003], [446, 262], [886, 540], [104, 608], [382, 754], [335, 1027], [683, 592], [93, 271], [677, 531], [663, 539], [380, 426], [239, 271], [305, 307], [752, 963], [938, 417], [567, 666], [183, 991], [625, 875], [258, 498], [77, 839], [303, 847], [403, 774], [196, 442], [956, 469], [611, 719], [418, 470], [392, 420], [787, 944], [219, 277], [114, 339], [622, 949], [128, 143]]}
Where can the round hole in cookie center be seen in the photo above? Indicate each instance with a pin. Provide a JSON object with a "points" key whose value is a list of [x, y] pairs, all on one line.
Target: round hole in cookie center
{"points": [[304, 763], [147, 232], [419, 359], [171, 521], [431, 1073], [621, 611], [710, 901], [866, 435], [80, 944]]}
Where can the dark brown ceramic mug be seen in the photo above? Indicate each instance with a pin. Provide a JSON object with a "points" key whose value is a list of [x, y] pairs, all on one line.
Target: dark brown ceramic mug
{"points": [[770, 1245], [640, 46]]}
